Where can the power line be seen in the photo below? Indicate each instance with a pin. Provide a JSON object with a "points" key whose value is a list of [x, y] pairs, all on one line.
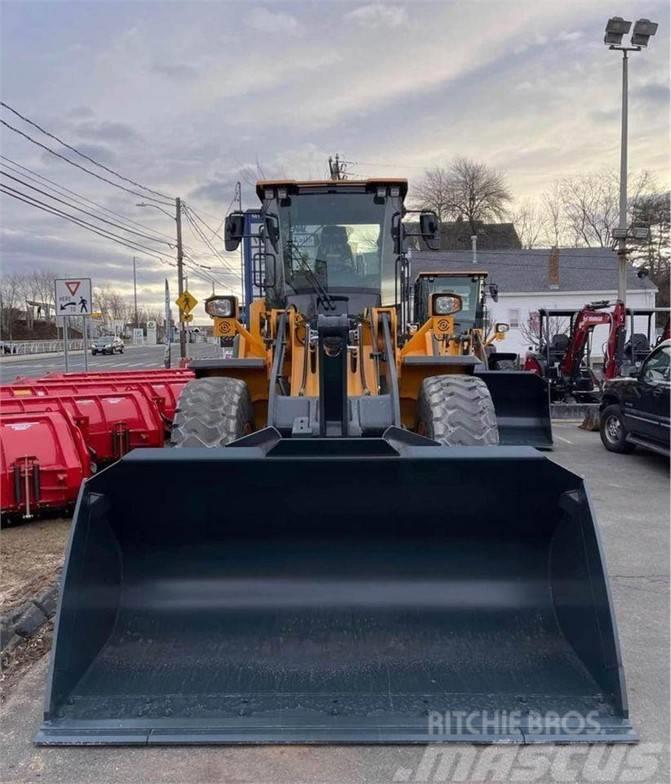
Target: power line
{"points": [[199, 233], [86, 212], [83, 155], [207, 226], [25, 171], [83, 168], [24, 197]]}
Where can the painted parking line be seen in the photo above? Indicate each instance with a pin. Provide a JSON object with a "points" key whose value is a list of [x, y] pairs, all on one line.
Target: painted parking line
{"points": [[561, 438]]}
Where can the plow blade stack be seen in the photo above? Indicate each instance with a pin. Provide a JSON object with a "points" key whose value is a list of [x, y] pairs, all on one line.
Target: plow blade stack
{"points": [[164, 391], [334, 591], [112, 423], [522, 405]]}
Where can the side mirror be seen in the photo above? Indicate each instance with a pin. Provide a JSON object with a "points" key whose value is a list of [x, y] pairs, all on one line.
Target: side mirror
{"points": [[501, 327], [494, 292], [428, 225], [234, 230]]}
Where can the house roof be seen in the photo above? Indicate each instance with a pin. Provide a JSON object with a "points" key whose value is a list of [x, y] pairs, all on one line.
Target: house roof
{"points": [[456, 235], [580, 269]]}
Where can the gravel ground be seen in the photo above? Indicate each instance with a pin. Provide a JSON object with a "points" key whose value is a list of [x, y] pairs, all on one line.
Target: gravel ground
{"points": [[31, 556], [31, 559]]}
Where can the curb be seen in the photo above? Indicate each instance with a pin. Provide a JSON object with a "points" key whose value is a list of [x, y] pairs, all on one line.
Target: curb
{"points": [[26, 621]]}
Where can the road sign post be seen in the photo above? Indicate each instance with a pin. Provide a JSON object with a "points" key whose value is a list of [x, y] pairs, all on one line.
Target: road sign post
{"points": [[72, 297], [65, 343], [85, 324]]}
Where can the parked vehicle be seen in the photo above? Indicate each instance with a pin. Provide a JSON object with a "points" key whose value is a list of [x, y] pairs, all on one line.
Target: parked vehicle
{"points": [[107, 344], [564, 360], [635, 411]]}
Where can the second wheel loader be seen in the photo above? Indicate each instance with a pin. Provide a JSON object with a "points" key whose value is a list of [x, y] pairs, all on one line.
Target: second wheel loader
{"points": [[340, 545]]}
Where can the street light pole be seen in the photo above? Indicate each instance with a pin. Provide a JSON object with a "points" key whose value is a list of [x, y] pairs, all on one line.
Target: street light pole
{"points": [[622, 241], [616, 29], [135, 292], [180, 276]]}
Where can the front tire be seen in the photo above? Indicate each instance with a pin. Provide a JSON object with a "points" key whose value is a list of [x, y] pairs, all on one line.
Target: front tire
{"points": [[613, 432], [212, 412], [457, 411]]}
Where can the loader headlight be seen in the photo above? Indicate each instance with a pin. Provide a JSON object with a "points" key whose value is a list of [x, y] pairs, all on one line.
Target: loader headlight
{"points": [[501, 327], [446, 304], [222, 307]]}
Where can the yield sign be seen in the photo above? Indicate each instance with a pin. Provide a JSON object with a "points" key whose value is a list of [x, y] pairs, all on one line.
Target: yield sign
{"points": [[73, 285]]}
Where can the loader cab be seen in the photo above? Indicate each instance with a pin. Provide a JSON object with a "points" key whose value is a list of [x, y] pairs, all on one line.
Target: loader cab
{"points": [[336, 237], [470, 286]]}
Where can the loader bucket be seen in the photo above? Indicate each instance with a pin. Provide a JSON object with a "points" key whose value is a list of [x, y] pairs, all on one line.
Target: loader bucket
{"points": [[342, 591], [522, 405]]}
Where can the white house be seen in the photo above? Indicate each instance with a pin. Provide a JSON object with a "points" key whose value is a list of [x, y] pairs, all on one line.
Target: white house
{"points": [[528, 280]]}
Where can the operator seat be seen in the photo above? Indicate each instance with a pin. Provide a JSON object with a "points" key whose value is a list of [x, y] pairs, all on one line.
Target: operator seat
{"points": [[558, 345], [637, 347], [334, 253]]}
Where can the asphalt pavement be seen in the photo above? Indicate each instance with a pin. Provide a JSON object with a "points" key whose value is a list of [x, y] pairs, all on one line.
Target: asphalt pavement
{"points": [[631, 497], [133, 358]]}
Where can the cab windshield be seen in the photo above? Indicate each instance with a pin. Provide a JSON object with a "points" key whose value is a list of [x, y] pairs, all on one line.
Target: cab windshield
{"points": [[344, 239]]}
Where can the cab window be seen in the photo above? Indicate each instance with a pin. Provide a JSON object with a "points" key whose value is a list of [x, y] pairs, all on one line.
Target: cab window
{"points": [[657, 368]]}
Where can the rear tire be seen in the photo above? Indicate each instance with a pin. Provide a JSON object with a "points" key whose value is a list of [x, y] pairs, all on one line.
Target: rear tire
{"points": [[613, 432], [212, 412], [457, 411]]}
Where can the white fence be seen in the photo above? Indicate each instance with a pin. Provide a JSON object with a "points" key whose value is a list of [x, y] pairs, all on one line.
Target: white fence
{"points": [[38, 346]]}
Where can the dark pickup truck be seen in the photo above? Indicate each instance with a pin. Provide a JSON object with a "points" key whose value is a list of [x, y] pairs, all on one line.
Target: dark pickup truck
{"points": [[635, 411]]}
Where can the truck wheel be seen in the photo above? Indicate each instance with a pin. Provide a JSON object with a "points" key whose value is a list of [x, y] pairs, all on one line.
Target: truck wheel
{"points": [[457, 411], [212, 412], [613, 432]]}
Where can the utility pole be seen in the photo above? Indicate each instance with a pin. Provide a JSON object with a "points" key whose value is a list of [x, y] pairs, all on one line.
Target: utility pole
{"points": [[135, 292], [337, 168], [180, 276]]}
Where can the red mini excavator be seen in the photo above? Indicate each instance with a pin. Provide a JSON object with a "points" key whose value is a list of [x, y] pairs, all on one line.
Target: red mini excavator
{"points": [[564, 359]]}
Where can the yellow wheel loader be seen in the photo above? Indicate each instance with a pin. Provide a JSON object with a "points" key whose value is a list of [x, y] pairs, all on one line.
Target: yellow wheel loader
{"points": [[340, 547]]}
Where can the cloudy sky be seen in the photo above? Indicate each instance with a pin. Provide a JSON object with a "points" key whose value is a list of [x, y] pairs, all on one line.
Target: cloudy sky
{"points": [[188, 97]]}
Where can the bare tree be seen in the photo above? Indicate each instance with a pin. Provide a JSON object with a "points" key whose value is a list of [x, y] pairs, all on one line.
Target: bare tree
{"points": [[531, 330], [530, 223], [590, 206], [553, 209], [478, 193], [467, 189], [653, 210], [110, 303], [11, 301], [433, 192]]}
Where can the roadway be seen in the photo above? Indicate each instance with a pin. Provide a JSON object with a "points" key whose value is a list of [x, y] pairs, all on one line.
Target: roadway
{"points": [[133, 358]]}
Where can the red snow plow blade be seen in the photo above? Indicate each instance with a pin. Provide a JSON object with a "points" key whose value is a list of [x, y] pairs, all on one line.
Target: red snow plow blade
{"points": [[112, 423], [43, 461]]}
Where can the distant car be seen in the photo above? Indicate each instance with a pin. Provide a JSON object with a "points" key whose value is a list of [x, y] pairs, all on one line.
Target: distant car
{"points": [[107, 344], [635, 411]]}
